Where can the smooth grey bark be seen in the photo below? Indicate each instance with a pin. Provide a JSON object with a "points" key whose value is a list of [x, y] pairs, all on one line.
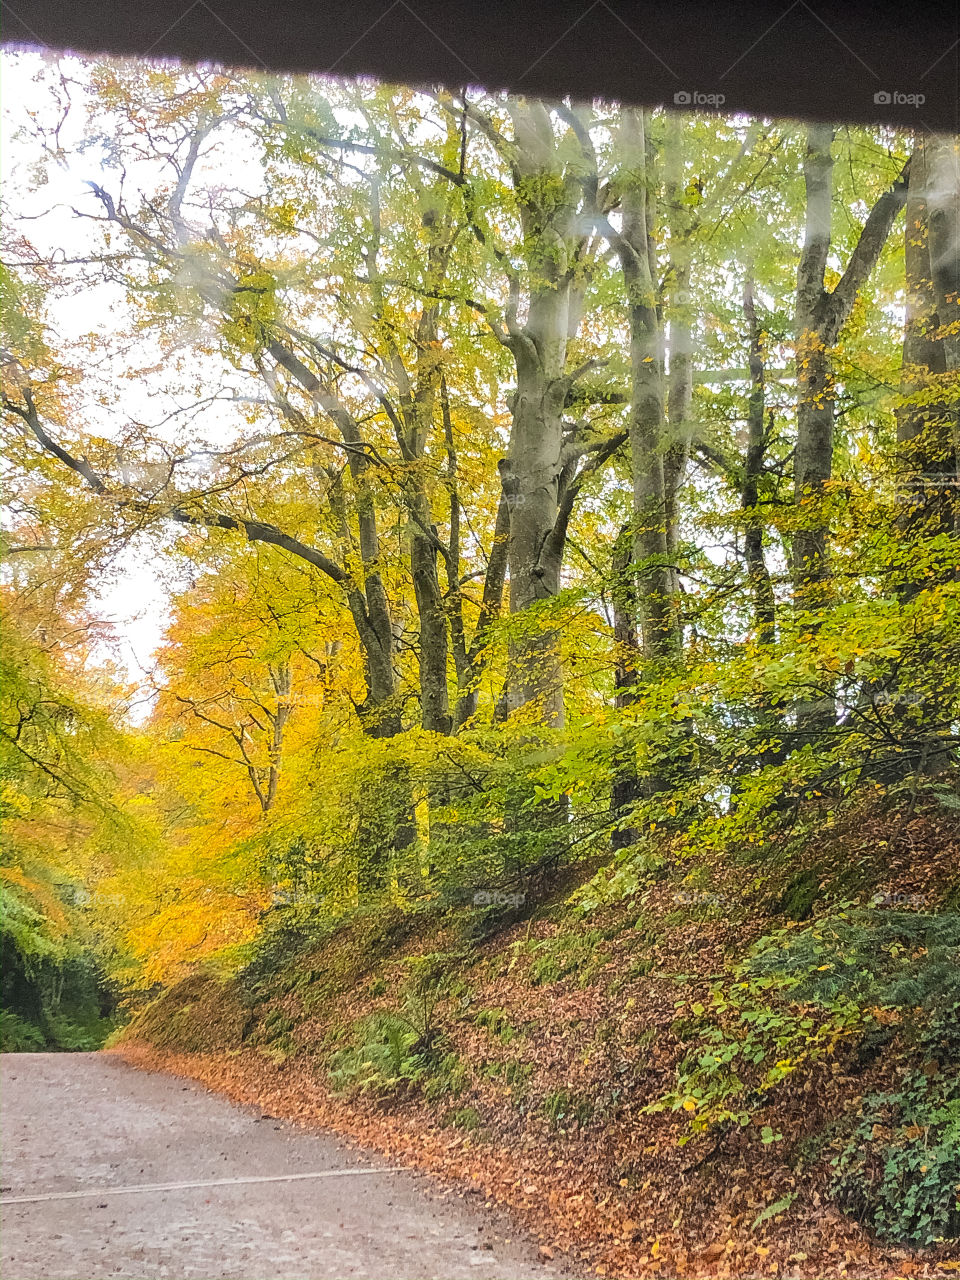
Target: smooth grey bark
{"points": [[281, 682], [417, 407], [412, 417], [942, 155], [555, 184], [813, 459], [943, 211], [367, 601], [656, 579], [470, 657], [927, 445], [559, 199], [820, 314], [653, 581], [761, 586], [548, 197], [682, 224], [926, 421]]}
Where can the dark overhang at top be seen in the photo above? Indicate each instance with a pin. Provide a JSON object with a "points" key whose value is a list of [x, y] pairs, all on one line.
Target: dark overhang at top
{"points": [[898, 63]]}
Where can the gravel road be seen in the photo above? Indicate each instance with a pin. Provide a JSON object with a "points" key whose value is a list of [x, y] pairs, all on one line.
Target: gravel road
{"points": [[93, 1152]]}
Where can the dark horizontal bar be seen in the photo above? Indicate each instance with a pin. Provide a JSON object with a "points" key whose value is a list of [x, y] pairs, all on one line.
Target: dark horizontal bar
{"points": [[859, 62]]}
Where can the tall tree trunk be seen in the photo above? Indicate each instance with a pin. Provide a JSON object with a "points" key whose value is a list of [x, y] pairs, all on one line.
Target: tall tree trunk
{"points": [[761, 587], [412, 418], [927, 444], [625, 790], [379, 712], [813, 460], [943, 211], [656, 593], [434, 697], [656, 582], [556, 188], [682, 223], [530, 472], [281, 679], [943, 205], [924, 435], [471, 660], [419, 411], [819, 317]]}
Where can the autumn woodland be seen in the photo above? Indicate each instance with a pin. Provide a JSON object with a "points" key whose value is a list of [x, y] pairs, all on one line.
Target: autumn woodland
{"points": [[542, 763]]}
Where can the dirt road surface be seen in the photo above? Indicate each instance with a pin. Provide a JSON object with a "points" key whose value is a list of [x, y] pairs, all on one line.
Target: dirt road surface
{"points": [[91, 1148]]}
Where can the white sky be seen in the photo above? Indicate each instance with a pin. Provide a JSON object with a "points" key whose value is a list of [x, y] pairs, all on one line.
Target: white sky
{"points": [[136, 603], [41, 201], [41, 206]]}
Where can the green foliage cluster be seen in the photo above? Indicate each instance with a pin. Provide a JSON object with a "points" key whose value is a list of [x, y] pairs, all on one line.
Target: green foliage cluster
{"points": [[55, 745], [873, 956], [55, 991], [17, 1035], [749, 1037], [404, 1045], [567, 953], [497, 1023], [899, 1170], [563, 1107], [801, 993], [864, 981]]}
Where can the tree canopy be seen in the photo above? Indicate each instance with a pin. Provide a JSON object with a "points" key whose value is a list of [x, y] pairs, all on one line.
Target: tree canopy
{"points": [[535, 481]]}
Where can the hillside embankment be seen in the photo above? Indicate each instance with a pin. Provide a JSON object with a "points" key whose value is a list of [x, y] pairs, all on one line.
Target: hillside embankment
{"points": [[744, 1070]]}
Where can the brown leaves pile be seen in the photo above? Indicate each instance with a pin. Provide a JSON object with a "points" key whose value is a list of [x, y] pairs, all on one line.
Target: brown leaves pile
{"points": [[610, 1187]]}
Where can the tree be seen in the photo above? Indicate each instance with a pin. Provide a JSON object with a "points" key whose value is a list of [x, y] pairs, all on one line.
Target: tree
{"points": [[376, 360], [757, 438], [821, 313], [927, 420], [553, 168]]}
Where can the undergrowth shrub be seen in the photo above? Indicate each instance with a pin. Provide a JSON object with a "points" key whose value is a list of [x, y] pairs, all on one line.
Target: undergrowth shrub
{"points": [[404, 1045], [55, 993], [384, 1055], [17, 1035], [562, 955], [563, 1107], [899, 1172], [287, 932], [802, 993], [899, 1169], [895, 959]]}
